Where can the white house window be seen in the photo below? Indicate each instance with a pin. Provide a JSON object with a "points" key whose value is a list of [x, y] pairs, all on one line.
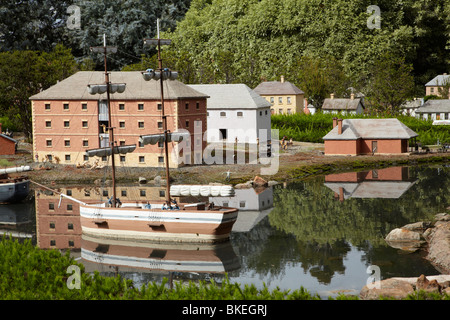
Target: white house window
{"points": [[239, 114], [223, 114], [140, 106], [280, 100], [289, 100], [272, 100]]}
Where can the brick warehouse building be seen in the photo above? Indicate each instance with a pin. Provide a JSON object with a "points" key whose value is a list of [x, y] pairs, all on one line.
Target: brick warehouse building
{"points": [[67, 120]]}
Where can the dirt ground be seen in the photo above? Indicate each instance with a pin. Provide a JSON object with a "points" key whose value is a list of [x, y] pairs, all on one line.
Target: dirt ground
{"points": [[299, 160]]}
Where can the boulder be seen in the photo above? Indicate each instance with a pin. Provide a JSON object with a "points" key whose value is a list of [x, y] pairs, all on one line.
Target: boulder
{"points": [[401, 234], [418, 226], [438, 247], [389, 288], [404, 239]]}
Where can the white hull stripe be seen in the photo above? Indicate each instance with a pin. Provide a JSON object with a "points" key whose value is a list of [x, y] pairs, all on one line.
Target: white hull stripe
{"points": [[164, 216]]}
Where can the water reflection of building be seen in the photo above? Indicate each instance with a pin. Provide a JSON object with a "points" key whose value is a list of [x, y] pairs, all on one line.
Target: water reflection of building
{"points": [[389, 183], [253, 205], [16, 220]]}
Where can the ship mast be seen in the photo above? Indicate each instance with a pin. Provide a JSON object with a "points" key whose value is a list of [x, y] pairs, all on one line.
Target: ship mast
{"points": [[163, 74], [110, 128]]}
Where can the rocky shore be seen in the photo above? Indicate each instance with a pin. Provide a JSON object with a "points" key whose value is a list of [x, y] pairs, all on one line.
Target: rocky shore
{"points": [[434, 237]]}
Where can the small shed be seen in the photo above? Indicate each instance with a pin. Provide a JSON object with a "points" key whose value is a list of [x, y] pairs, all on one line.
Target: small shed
{"points": [[367, 136]]}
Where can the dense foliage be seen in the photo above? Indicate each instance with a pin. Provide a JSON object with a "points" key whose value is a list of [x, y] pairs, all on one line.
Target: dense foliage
{"points": [[249, 41], [125, 23], [312, 128]]}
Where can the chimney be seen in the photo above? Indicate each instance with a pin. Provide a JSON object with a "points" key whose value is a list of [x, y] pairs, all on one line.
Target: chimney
{"points": [[332, 96], [339, 126], [334, 122], [352, 96], [282, 79], [341, 194]]}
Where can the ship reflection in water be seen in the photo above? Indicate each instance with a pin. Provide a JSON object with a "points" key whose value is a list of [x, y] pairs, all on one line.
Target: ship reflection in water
{"points": [[388, 183]]}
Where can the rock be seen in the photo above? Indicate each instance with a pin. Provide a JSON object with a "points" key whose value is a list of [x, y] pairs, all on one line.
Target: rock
{"points": [[157, 180], [426, 285], [404, 239], [259, 182], [272, 183], [400, 234], [389, 288], [442, 217], [438, 247], [418, 226]]}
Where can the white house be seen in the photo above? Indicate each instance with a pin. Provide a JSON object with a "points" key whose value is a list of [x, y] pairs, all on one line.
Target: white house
{"points": [[354, 105], [235, 112], [438, 109], [409, 108]]}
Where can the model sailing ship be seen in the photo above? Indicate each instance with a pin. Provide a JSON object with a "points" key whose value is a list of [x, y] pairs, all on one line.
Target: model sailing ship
{"points": [[154, 220]]}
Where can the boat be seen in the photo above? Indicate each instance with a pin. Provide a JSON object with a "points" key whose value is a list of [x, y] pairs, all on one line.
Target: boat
{"points": [[14, 189], [154, 220]]}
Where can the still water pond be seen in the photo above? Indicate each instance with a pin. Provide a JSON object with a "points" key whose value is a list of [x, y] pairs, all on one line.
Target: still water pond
{"points": [[323, 233]]}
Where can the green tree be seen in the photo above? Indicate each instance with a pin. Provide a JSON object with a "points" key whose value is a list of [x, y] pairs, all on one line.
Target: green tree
{"points": [[25, 73], [391, 85], [32, 25], [126, 23]]}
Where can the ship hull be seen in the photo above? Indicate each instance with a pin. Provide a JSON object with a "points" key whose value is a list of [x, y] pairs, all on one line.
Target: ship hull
{"points": [[137, 223], [14, 190]]}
